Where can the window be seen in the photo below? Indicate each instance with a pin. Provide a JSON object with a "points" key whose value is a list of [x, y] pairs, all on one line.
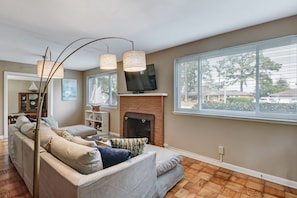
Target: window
{"points": [[256, 80], [102, 89]]}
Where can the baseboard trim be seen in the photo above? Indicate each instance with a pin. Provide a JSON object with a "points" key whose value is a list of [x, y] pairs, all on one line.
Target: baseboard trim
{"points": [[271, 178]]}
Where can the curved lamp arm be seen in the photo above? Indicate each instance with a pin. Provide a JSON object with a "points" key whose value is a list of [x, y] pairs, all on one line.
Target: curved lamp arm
{"points": [[42, 95]]}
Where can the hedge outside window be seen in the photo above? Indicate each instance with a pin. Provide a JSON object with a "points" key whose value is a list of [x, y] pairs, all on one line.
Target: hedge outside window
{"points": [[257, 80], [105, 87]]}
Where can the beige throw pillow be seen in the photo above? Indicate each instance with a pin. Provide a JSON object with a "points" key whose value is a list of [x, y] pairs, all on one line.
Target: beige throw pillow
{"points": [[46, 134], [84, 159], [76, 139], [58, 131], [28, 130], [20, 121], [79, 140], [67, 135]]}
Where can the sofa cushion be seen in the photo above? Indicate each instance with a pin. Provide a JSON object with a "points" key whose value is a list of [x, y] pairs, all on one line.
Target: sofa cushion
{"points": [[84, 159], [46, 134], [113, 156], [135, 145], [20, 121], [165, 160], [27, 129]]}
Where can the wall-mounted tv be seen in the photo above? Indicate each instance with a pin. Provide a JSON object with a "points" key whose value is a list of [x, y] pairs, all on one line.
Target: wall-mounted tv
{"points": [[138, 82]]}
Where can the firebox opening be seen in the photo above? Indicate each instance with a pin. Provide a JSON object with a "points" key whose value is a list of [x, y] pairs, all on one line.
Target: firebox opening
{"points": [[139, 125]]}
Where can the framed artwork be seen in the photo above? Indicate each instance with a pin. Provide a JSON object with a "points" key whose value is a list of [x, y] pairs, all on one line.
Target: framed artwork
{"points": [[69, 89]]}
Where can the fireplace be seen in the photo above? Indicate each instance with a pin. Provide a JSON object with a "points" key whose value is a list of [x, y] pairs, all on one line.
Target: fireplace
{"points": [[139, 125], [148, 104]]}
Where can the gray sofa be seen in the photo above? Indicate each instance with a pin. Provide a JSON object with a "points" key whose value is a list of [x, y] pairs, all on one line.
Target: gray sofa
{"points": [[150, 174]]}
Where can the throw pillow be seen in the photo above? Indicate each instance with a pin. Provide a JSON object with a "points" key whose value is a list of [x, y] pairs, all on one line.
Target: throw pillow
{"points": [[58, 131], [28, 130], [113, 156], [67, 135], [135, 145], [46, 134], [20, 121], [76, 139], [84, 159]]}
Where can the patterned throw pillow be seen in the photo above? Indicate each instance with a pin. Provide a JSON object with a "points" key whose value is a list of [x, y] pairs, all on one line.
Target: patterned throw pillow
{"points": [[135, 145]]}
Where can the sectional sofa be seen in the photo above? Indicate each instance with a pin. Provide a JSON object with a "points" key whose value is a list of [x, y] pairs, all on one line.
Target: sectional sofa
{"points": [[71, 169]]}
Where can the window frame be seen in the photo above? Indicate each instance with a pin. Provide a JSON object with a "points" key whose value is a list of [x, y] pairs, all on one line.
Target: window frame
{"points": [[109, 74], [231, 114]]}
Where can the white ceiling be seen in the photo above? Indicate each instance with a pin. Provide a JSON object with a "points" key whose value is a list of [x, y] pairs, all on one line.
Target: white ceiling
{"points": [[27, 27]]}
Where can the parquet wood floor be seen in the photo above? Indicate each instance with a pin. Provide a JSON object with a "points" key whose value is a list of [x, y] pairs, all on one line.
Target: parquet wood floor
{"points": [[201, 180], [209, 181]]}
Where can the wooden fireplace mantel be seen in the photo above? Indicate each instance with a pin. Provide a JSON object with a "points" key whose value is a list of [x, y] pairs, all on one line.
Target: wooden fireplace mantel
{"points": [[143, 94], [148, 103]]}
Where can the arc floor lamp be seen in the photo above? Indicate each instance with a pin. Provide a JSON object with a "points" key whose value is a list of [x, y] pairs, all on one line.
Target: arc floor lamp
{"points": [[133, 60]]}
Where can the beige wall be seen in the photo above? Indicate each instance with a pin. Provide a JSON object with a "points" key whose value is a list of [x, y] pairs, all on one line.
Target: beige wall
{"points": [[265, 147], [69, 112]]}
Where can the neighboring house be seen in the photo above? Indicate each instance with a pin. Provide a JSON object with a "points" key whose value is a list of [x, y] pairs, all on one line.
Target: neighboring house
{"points": [[289, 96], [221, 95]]}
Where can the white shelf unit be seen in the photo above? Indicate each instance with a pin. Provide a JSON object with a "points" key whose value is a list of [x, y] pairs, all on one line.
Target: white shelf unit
{"points": [[98, 120]]}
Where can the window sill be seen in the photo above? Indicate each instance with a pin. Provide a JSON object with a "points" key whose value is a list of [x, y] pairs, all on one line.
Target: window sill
{"points": [[109, 107], [106, 107], [238, 117]]}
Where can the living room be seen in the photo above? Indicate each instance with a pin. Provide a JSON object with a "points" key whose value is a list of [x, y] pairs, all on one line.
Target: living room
{"points": [[259, 148]]}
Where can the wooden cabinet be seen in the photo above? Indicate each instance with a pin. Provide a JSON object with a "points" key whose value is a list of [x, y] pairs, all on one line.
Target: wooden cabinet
{"points": [[28, 102], [99, 120]]}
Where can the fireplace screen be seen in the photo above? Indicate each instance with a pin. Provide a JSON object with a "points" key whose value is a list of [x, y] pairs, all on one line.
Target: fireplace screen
{"points": [[139, 125]]}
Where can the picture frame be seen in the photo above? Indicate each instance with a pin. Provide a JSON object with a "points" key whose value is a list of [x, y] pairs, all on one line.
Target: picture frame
{"points": [[69, 89]]}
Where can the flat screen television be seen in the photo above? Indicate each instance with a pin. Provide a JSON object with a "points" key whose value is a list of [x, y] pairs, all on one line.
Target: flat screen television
{"points": [[138, 82]]}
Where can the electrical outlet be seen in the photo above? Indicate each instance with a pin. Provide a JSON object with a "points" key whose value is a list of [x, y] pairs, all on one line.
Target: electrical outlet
{"points": [[221, 150]]}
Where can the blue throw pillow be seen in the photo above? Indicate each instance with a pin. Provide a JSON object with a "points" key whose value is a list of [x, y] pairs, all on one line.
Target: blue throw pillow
{"points": [[113, 156]]}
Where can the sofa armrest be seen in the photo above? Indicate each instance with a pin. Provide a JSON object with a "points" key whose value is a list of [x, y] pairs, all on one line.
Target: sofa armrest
{"points": [[136, 177]]}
